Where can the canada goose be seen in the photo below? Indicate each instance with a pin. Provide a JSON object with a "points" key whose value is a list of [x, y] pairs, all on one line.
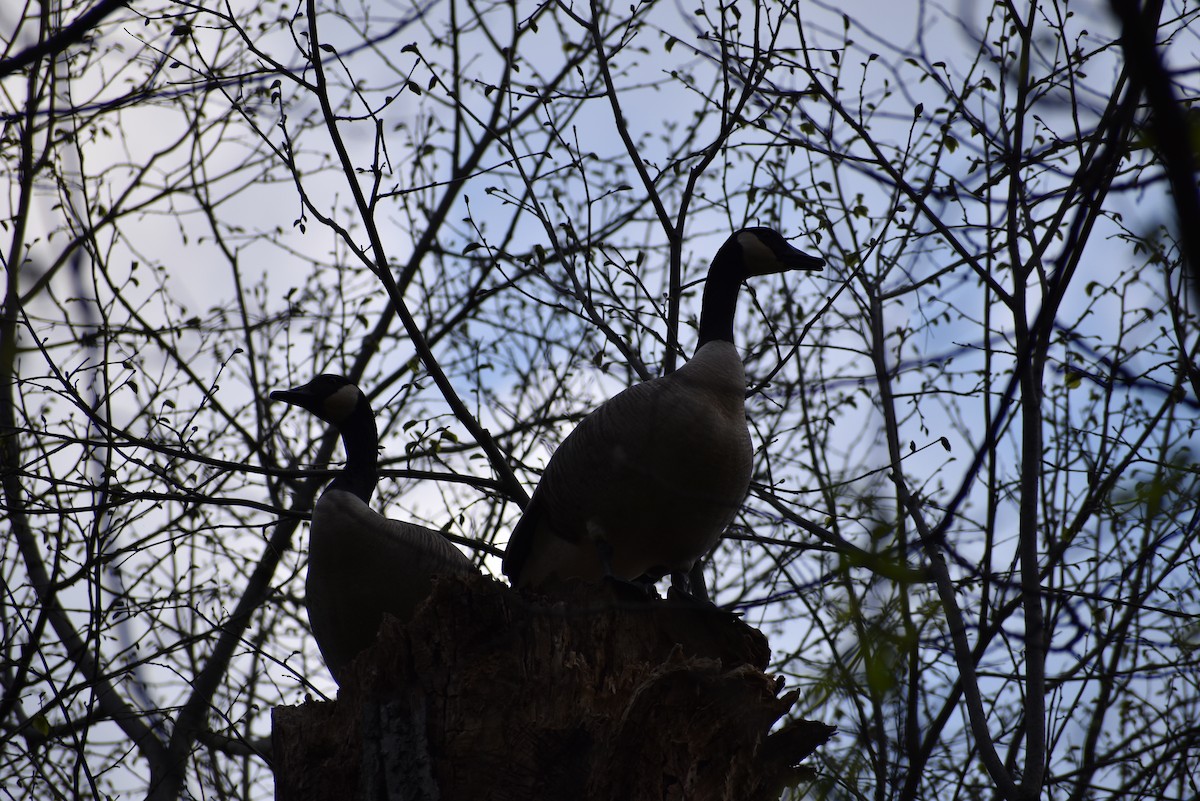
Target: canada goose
{"points": [[647, 482], [360, 563]]}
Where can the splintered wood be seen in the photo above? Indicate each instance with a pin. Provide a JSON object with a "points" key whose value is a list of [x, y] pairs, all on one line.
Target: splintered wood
{"points": [[594, 693]]}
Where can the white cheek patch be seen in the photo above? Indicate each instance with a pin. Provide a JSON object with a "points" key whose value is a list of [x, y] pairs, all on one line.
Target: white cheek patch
{"points": [[759, 258], [341, 404]]}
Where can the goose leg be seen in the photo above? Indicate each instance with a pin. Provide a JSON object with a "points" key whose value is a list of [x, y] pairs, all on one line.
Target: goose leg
{"points": [[691, 584]]}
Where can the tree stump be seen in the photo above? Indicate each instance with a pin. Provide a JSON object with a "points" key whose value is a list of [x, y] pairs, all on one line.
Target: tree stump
{"points": [[595, 693]]}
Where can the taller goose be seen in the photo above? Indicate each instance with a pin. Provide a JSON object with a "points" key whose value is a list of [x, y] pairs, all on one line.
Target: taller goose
{"points": [[360, 563], [646, 484]]}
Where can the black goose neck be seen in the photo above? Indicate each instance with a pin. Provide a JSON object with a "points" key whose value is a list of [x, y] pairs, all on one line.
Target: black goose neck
{"points": [[720, 296], [360, 438]]}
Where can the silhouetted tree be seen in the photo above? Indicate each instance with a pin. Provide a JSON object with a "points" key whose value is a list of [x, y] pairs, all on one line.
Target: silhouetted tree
{"points": [[971, 538]]}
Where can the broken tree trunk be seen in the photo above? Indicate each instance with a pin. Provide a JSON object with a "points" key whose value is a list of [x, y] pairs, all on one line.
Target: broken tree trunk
{"points": [[595, 693]]}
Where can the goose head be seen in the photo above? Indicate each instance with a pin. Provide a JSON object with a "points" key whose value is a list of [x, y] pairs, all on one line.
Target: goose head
{"points": [[746, 254], [338, 400], [764, 251], [333, 398]]}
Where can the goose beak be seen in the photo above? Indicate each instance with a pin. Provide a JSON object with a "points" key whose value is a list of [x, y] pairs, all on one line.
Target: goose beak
{"points": [[785, 258], [799, 260], [295, 397], [299, 396]]}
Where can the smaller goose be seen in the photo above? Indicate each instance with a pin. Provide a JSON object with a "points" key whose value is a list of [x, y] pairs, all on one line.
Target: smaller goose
{"points": [[646, 484], [360, 563]]}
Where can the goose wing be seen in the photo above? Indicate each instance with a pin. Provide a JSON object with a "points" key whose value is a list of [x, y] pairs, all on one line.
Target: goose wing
{"points": [[362, 565], [652, 476]]}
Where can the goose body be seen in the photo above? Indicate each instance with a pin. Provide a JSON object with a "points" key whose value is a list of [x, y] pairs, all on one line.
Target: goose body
{"points": [[361, 564], [646, 484]]}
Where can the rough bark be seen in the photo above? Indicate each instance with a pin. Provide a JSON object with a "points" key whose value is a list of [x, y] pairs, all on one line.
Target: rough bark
{"points": [[592, 693]]}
